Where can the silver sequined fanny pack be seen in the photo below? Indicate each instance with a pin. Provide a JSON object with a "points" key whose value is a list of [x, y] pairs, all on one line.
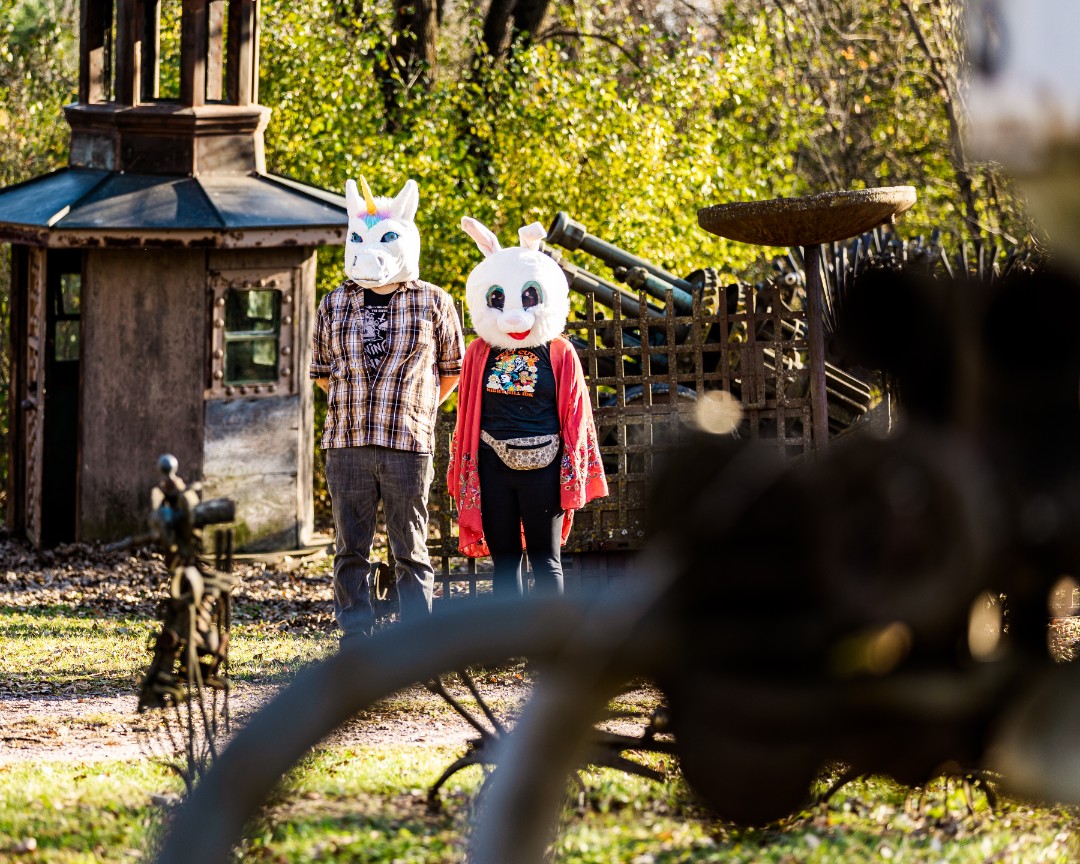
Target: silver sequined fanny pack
{"points": [[524, 454]]}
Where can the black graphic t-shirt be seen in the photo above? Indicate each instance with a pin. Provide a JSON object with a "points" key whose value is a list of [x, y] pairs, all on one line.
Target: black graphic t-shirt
{"points": [[519, 393], [375, 327]]}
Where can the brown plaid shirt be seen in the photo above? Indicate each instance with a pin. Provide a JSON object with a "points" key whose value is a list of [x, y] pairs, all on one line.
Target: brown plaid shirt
{"points": [[394, 405]]}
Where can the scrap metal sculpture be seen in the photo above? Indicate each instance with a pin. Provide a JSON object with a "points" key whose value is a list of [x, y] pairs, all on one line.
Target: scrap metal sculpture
{"points": [[186, 686], [605, 749]]}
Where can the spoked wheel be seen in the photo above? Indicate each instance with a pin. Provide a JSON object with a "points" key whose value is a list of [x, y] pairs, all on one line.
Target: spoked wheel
{"points": [[578, 645]]}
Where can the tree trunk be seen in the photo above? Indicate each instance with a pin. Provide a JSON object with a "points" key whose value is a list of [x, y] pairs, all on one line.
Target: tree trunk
{"points": [[500, 34]]}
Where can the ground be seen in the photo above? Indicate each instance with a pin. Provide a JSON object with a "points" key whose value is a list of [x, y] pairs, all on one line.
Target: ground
{"points": [[85, 720]]}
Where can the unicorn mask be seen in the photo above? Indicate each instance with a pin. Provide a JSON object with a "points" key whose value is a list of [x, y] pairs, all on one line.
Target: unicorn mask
{"points": [[517, 297], [383, 244]]}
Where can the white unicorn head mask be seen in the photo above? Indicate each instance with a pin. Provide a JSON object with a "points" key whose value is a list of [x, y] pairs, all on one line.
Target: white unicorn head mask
{"points": [[383, 244], [517, 297]]}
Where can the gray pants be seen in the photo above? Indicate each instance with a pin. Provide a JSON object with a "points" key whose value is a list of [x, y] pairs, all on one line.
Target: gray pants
{"points": [[357, 478]]}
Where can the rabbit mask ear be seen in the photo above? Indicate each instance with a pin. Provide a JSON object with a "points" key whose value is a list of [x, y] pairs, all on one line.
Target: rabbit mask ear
{"points": [[486, 242], [531, 235]]}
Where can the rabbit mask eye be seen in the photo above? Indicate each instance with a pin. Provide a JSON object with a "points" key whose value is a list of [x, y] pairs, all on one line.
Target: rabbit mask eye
{"points": [[496, 297], [531, 295]]}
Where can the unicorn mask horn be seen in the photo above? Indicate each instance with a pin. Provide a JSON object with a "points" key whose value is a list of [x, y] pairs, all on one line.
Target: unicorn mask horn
{"points": [[383, 243]]}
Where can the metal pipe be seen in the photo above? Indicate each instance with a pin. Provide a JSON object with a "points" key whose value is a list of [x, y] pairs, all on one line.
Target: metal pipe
{"points": [[572, 235], [815, 316], [643, 280], [584, 282]]}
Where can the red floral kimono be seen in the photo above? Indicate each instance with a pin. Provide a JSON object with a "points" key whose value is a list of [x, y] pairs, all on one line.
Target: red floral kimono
{"points": [[581, 475]]}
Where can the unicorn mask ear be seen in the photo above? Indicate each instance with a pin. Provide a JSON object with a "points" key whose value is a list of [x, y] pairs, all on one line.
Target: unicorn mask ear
{"points": [[531, 235], [406, 201], [352, 198], [487, 242]]}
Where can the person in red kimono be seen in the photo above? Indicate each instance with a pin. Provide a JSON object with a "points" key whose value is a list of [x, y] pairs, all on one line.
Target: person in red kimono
{"points": [[525, 453]]}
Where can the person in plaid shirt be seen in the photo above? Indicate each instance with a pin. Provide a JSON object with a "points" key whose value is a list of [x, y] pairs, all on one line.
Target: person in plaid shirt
{"points": [[387, 349]]}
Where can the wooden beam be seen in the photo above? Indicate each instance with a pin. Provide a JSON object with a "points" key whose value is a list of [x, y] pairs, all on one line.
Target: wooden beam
{"points": [[95, 30], [215, 60], [129, 20], [242, 76], [194, 47]]}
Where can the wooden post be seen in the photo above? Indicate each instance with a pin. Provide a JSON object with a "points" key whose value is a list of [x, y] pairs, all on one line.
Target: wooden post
{"points": [[95, 27], [129, 35], [215, 56], [194, 47], [243, 52]]}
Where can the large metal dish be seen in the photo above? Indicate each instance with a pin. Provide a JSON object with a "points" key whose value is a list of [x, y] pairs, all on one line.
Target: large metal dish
{"points": [[809, 220]]}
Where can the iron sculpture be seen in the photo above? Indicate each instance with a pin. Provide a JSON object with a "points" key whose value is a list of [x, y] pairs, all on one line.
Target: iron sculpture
{"points": [[186, 685]]}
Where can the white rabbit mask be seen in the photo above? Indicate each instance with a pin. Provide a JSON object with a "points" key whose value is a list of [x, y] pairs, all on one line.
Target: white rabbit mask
{"points": [[517, 297], [383, 243]]}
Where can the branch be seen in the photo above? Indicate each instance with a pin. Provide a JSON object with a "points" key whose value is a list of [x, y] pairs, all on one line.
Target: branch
{"points": [[577, 34]]}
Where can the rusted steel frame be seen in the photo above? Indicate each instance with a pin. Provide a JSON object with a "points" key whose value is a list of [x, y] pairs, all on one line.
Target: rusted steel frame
{"points": [[815, 313], [620, 392]]}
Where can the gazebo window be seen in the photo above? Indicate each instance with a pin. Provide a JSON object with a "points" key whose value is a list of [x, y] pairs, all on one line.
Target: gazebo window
{"points": [[252, 334]]}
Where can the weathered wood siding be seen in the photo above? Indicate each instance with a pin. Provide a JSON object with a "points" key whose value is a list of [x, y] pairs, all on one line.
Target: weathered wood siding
{"points": [[144, 335], [259, 451], [253, 456]]}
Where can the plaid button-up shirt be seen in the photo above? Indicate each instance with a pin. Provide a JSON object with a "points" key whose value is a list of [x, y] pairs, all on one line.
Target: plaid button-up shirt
{"points": [[394, 405]]}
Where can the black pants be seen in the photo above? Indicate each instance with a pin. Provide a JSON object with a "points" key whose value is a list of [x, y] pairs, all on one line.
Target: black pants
{"points": [[511, 500]]}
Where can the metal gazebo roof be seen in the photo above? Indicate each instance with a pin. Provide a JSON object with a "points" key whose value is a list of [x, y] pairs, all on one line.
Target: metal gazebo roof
{"points": [[94, 208]]}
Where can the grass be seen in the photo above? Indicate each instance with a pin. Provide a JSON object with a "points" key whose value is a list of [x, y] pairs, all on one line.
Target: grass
{"points": [[74, 812], [345, 803], [49, 651]]}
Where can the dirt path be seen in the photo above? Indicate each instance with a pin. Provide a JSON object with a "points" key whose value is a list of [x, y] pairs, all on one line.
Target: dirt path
{"points": [[91, 726]]}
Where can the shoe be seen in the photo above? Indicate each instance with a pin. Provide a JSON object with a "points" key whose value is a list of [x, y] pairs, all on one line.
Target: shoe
{"points": [[352, 637]]}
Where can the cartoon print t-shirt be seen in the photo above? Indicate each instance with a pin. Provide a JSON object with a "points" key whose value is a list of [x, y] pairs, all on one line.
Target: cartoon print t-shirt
{"points": [[519, 393], [375, 327]]}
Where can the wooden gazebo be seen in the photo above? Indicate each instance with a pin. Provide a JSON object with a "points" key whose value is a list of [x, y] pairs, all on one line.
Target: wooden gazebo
{"points": [[162, 286]]}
